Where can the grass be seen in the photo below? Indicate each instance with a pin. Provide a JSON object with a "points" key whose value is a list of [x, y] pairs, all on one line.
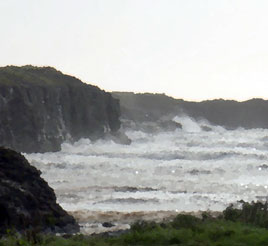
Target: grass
{"points": [[30, 75], [235, 227]]}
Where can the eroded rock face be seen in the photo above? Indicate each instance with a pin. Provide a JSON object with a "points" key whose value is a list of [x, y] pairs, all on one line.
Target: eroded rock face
{"points": [[26, 200], [40, 108]]}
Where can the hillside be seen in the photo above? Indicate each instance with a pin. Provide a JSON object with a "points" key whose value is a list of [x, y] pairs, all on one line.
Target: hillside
{"points": [[228, 113]]}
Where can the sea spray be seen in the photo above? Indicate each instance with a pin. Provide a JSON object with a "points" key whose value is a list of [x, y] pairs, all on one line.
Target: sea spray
{"points": [[189, 169]]}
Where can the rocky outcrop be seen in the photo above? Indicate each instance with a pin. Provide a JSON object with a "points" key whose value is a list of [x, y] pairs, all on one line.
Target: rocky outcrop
{"points": [[147, 112], [228, 113], [41, 107], [145, 107], [26, 200]]}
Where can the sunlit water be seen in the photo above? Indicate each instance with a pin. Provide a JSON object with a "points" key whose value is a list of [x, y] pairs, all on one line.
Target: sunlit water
{"points": [[189, 169]]}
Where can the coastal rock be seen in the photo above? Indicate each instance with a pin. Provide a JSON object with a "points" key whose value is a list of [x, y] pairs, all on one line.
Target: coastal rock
{"points": [[40, 108], [120, 138], [161, 125], [169, 125], [26, 200], [146, 107], [107, 224]]}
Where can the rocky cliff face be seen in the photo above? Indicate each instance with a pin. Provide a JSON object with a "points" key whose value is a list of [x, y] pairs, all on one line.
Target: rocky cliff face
{"points": [[41, 107], [145, 107], [228, 113], [148, 112], [26, 200]]}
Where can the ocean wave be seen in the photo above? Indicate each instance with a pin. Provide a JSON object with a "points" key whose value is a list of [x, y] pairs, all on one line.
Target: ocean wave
{"points": [[190, 169]]}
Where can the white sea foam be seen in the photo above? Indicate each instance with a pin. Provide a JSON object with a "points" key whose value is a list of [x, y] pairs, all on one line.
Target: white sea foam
{"points": [[189, 169], [188, 124]]}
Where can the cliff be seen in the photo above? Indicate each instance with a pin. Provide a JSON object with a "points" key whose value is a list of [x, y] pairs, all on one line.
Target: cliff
{"points": [[40, 108], [228, 113], [145, 107], [26, 200]]}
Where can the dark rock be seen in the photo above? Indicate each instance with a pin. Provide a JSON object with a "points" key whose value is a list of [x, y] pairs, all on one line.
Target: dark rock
{"points": [[169, 125], [119, 138], [26, 200], [107, 224], [160, 125], [41, 107]]}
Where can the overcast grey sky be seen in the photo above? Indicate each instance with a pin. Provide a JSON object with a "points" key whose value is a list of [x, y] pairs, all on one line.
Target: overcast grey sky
{"points": [[190, 49]]}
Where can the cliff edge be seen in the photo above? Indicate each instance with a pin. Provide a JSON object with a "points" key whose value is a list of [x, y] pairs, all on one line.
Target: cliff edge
{"points": [[41, 107]]}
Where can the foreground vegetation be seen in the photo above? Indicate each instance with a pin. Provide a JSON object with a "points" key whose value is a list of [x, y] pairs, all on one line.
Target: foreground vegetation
{"points": [[234, 227]]}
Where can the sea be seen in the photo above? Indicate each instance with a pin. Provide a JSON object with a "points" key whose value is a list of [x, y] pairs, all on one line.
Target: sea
{"points": [[200, 167]]}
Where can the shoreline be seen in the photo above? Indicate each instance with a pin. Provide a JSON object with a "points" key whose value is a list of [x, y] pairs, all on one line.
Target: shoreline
{"points": [[97, 222]]}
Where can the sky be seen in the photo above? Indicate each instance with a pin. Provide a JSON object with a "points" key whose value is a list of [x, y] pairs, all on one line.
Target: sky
{"points": [[190, 49]]}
